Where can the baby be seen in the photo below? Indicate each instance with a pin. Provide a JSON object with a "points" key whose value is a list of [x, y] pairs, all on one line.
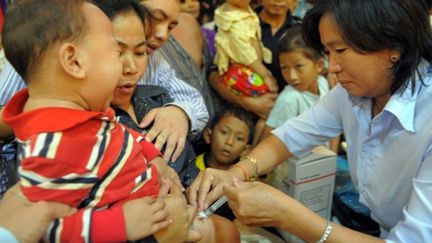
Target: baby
{"points": [[72, 149], [240, 52]]}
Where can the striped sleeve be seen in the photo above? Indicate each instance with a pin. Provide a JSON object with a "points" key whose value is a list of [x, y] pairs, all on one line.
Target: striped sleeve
{"points": [[52, 170], [149, 150], [70, 189], [10, 83], [89, 225]]}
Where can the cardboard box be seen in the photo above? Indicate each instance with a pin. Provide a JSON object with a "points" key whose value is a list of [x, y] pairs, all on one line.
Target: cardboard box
{"points": [[310, 180]]}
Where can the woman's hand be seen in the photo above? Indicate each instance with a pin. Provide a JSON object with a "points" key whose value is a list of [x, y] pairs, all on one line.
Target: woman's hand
{"points": [[208, 186], [170, 126], [28, 221], [181, 216], [256, 203]]}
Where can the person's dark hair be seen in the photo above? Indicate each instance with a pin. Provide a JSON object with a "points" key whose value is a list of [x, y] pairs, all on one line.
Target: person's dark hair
{"points": [[429, 4], [313, 2], [114, 8], [374, 25], [32, 26], [292, 40], [208, 8], [238, 112]]}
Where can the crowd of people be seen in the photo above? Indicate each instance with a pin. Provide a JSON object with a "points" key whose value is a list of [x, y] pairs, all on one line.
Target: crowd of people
{"points": [[133, 115]]}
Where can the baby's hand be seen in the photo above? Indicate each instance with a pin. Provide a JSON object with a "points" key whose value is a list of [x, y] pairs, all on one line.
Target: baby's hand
{"points": [[144, 216]]}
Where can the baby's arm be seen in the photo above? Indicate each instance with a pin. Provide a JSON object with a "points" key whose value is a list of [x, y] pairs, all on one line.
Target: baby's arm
{"points": [[136, 219], [217, 229], [72, 185], [259, 68]]}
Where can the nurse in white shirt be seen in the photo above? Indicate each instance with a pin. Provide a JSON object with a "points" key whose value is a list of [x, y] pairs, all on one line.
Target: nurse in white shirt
{"points": [[381, 53]]}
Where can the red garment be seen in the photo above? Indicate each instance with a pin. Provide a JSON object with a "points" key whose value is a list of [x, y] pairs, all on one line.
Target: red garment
{"points": [[2, 8], [242, 80], [86, 160], [1, 20]]}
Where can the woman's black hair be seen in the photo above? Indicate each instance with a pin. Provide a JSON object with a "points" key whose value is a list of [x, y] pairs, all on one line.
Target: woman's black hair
{"points": [[114, 8], [429, 4], [374, 25], [292, 40]]}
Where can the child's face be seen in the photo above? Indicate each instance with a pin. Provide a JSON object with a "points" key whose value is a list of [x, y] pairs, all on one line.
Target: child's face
{"points": [[131, 37], [239, 3], [100, 55], [300, 71], [228, 139], [191, 6]]}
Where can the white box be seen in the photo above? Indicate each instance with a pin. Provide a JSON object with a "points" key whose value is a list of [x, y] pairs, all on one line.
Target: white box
{"points": [[310, 180]]}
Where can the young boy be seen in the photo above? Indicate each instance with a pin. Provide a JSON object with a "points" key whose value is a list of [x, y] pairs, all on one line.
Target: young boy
{"points": [[72, 149], [228, 137]]}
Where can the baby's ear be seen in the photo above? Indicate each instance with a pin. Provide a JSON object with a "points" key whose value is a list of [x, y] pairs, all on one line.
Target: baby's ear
{"points": [[207, 135], [71, 60]]}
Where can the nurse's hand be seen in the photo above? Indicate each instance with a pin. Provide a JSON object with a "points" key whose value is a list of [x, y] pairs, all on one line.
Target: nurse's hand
{"points": [[256, 203], [208, 186]]}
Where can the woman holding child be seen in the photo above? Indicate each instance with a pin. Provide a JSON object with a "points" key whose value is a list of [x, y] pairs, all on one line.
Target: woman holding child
{"points": [[381, 53], [114, 165]]}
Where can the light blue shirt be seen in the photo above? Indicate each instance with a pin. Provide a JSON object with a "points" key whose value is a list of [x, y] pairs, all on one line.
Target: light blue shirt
{"points": [[389, 155], [7, 237], [158, 73], [302, 8]]}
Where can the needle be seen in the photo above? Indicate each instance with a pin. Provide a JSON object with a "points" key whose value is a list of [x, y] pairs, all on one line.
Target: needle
{"points": [[209, 211]]}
